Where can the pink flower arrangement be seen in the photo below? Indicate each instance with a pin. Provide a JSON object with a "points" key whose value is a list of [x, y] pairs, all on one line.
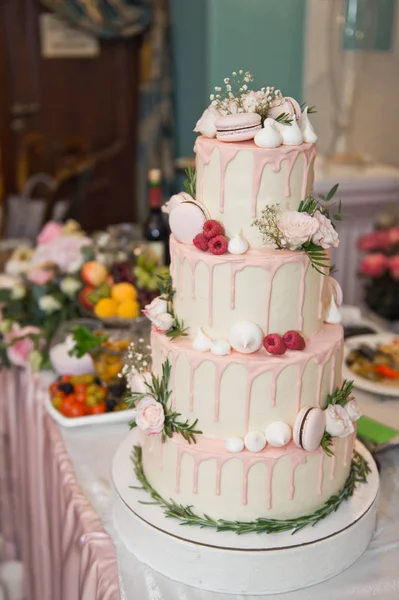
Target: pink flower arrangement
{"points": [[51, 231], [18, 353], [40, 276], [374, 265], [64, 251]]}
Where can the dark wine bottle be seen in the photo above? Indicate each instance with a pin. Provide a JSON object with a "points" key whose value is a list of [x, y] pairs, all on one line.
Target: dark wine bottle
{"points": [[156, 230]]}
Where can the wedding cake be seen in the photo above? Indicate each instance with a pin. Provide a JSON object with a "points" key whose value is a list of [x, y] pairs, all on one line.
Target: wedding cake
{"points": [[245, 415]]}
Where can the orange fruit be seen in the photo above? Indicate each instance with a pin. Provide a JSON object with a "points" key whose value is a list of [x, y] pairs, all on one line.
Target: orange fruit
{"points": [[123, 291], [106, 307], [129, 309]]}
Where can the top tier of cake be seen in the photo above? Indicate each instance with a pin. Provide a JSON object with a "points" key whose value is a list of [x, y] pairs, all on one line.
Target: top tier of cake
{"points": [[237, 180]]}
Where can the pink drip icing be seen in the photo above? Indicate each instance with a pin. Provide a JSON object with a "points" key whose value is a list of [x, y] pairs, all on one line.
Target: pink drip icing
{"points": [[301, 369], [161, 447], [210, 295], [195, 363], [151, 444], [347, 449], [321, 472], [211, 448], [322, 361], [332, 373], [305, 266], [333, 458], [251, 376], [295, 461], [180, 452], [270, 260], [320, 303], [220, 368], [193, 284], [204, 148]]}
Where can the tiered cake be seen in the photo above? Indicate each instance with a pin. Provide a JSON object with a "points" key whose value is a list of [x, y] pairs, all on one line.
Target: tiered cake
{"points": [[263, 442]]}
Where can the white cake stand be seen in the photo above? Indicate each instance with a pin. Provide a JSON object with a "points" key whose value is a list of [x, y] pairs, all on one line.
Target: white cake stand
{"points": [[247, 564]]}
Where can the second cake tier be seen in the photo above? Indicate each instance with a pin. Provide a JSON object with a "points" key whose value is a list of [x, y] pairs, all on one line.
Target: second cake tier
{"points": [[276, 289]]}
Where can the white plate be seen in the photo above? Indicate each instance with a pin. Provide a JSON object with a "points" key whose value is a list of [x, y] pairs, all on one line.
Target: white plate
{"points": [[361, 383], [120, 416]]}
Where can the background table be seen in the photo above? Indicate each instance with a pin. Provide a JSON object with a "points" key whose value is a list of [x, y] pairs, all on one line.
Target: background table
{"points": [[56, 510]]}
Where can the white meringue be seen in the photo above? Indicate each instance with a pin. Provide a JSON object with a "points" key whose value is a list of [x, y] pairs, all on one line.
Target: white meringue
{"points": [[333, 314], [278, 434], [308, 133], [269, 136], [202, 342], [238, 244], [220, 347], [255, 441], [246, 337], [234, 445], [353, 410], [291, 134]]}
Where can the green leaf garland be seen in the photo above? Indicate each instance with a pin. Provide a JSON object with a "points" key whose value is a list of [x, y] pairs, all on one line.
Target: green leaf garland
{"points": [[358, 474]]}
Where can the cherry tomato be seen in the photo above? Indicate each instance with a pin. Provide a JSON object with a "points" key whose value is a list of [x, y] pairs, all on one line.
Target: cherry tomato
{"points": [[65, 405], [80, 388], [65, 378], [76, 410], [54, 388], [81, 398], [98, 408]]}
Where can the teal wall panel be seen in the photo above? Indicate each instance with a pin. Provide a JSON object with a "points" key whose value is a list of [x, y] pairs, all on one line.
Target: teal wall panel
{"points": [[212, 38]]}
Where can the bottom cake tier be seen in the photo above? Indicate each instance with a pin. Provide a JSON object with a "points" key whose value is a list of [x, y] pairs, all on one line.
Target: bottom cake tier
{"points": [[278, 483]]}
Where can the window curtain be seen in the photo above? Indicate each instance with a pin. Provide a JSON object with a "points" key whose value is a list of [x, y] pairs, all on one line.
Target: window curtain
{"points": [[109, 19]]}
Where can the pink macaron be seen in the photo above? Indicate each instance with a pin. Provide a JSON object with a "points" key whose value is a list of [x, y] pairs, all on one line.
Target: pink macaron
{"points": [[238, 128], [309, 428]]}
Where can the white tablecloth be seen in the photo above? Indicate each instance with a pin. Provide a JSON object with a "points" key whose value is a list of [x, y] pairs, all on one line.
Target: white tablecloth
{"points": [[375, 574]]}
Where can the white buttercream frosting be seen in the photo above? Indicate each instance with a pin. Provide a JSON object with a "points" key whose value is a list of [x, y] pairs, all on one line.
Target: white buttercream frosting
{"points": [[234, 445], [278, 434], [291, 134], [255, 441], [269, 136], [308, 133], [246, 337], [220, 347], [238, 244], [202, 342]]}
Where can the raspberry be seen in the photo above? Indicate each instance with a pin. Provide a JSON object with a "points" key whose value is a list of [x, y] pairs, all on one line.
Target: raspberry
{"points": [[274, 344], [218, 244], [212, 229], [200, 242], [294, 341]]}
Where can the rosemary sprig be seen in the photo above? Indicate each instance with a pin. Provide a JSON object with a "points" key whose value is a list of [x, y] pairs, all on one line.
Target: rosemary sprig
{"points": [[284, 119], [341, 395], [311, 109], [167, 292], [318, 258], [190, 184], [177, 329], [326, 443], [358, 474], [158, 388]]}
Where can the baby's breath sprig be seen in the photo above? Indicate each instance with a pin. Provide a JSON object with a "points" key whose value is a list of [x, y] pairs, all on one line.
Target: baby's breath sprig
{"points": [[138, 358], [268, 226]]}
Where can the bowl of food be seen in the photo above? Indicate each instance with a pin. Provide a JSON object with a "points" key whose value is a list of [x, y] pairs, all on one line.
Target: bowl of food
{"points": [[372, 361]]}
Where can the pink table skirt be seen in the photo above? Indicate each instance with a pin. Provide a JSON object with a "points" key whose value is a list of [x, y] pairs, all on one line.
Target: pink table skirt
{"points": [[44, 516]]}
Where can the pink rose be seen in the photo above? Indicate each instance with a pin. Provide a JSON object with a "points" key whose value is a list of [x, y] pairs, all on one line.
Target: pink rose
{"points": [[40, 276], [50, 232], [65, 252], [325, 236], [297, 228], [393, 265], [150, 416], [376, 240], [374, 265], [18, 353], [393, 236]]}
